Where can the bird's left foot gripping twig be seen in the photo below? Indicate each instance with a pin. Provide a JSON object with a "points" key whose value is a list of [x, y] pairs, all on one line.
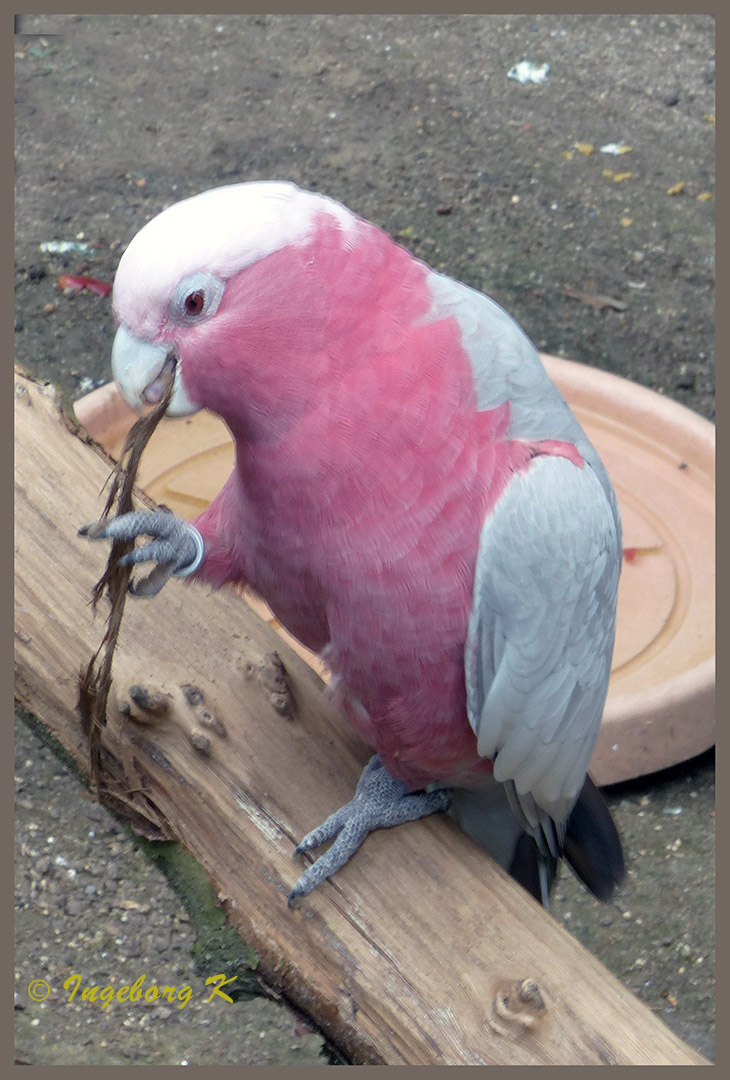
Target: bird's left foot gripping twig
{"points": [[380, 802], [177, 547]]}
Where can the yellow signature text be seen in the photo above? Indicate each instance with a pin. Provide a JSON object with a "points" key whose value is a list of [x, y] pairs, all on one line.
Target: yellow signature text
{"points": [[140, 990]]}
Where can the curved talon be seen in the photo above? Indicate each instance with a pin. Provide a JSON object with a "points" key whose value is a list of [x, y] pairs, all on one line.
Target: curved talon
{"points": [[154, 581]]}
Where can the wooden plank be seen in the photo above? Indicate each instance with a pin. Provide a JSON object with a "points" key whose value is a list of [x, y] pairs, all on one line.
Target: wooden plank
{"points": [[418, 951]]}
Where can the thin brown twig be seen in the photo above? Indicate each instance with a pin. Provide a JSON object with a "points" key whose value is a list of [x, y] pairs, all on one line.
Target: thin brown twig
{"points": [[95, 681]]}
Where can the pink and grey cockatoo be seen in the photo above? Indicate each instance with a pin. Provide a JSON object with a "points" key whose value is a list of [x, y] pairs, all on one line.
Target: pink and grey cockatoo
{"points": [[412, 497]]}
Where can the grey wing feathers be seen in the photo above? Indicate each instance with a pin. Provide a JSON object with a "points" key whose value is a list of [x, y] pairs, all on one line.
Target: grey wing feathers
{"points": [[541, 636], [506, 367]]}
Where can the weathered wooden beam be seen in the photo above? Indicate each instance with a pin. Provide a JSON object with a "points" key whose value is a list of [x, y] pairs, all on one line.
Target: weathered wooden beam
{"points": [[420, 951]]}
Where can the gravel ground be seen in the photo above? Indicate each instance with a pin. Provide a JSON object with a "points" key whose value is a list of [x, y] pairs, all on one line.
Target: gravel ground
{"points": [[413, 122], [94, 910]]}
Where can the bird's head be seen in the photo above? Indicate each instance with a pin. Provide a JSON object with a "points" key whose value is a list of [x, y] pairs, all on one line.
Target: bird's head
{"points": [[200, 288]]}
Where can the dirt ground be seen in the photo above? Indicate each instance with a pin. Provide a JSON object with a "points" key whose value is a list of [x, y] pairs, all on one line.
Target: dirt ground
{"points": [[413, 122]]}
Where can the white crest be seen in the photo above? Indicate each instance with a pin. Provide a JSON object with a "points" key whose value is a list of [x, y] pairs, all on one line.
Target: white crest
{"points": [[220, 231]]}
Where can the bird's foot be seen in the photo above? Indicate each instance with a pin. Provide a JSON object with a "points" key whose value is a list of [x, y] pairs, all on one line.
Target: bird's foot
{"points": [[380, 802], [177, 547]]}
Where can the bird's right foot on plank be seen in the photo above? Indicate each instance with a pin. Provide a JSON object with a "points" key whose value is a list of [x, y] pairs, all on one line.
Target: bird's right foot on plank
{"points": [[380, 802]]}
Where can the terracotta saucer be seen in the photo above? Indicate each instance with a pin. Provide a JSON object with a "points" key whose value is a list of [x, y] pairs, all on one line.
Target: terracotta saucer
{"points": [[661, 459]]}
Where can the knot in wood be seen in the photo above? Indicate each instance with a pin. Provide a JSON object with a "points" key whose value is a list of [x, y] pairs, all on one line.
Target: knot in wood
{"points": [[273, 676], [203, 715], [144, 704], [520, 1002], [201, 743], [193, 695], [21, 393], [152, 701]]}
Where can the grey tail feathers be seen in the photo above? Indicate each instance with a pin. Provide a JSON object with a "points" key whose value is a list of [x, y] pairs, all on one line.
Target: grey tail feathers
{"points": [[591, 847]]}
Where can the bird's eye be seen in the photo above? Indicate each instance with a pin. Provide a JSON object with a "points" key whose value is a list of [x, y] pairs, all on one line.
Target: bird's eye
{"points": [[196, 297], [195, 302]]}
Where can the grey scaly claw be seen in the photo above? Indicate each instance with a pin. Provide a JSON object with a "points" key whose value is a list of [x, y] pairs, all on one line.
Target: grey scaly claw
{"points": [[177, 547], [380, 802]]}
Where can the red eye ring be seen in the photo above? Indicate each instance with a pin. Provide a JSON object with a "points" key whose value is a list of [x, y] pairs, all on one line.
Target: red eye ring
{"points": [[195, 302]]}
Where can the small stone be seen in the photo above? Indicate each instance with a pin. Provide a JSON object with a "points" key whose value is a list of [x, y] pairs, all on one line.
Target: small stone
{"points": [[687, 379]]}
